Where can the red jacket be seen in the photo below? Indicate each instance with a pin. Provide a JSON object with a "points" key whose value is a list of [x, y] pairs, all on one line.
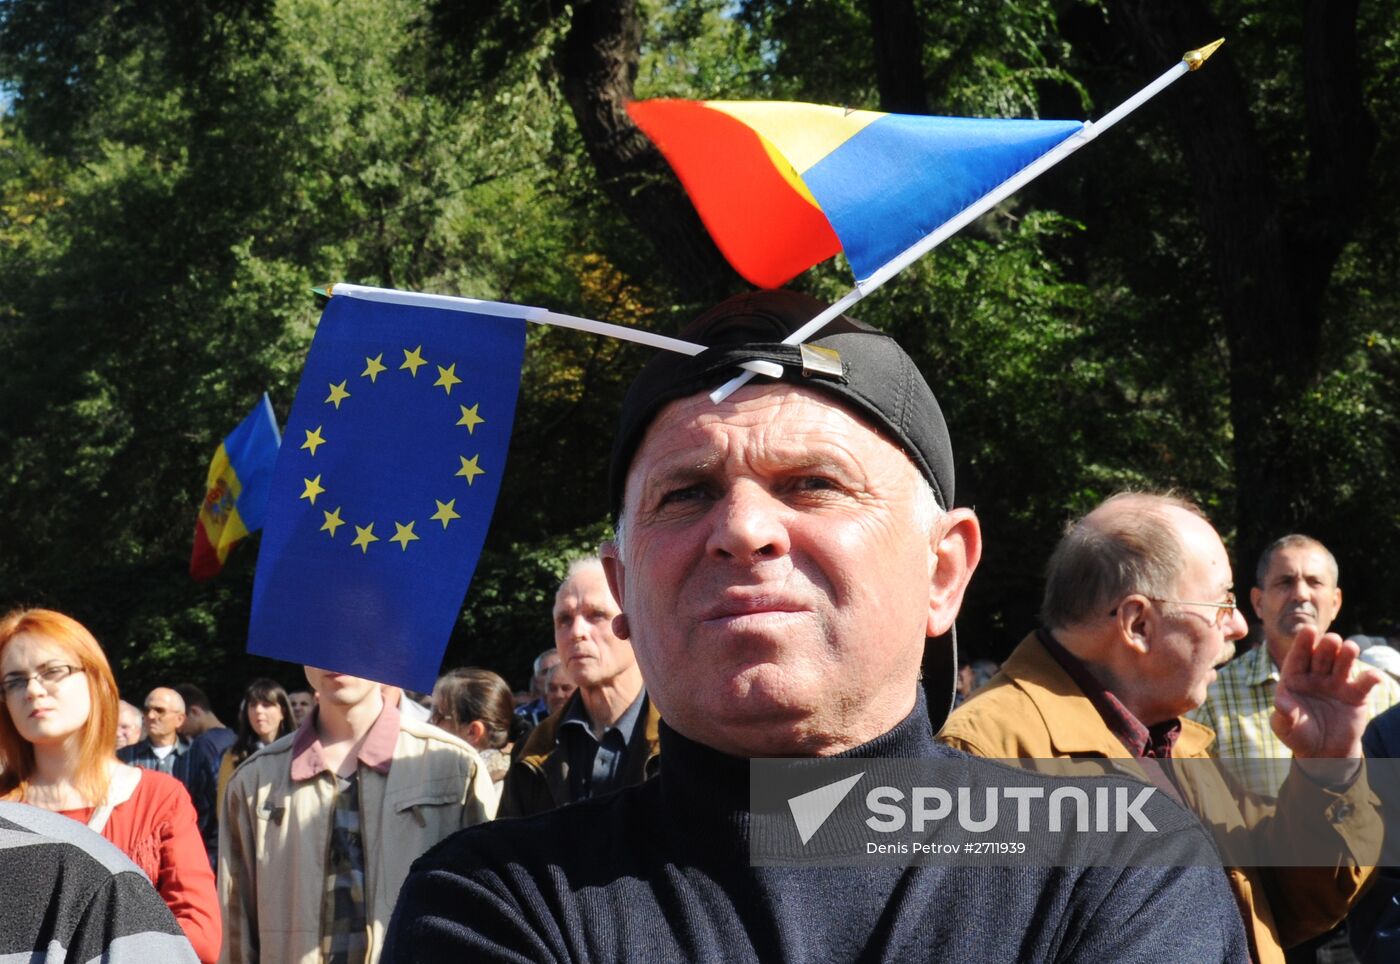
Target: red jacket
{"points": [[156, 827]]}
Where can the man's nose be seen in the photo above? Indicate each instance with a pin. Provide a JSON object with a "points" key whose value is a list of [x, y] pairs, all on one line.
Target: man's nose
{"points": [[751, 525], [1235, 625]]}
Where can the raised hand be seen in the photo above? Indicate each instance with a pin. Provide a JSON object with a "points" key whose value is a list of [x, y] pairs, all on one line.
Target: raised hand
{"points": [[1320, 706]]}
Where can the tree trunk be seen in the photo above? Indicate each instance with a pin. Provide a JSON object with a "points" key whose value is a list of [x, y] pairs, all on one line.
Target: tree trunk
{"points": [[899, 50], [598, 64], [1272, 264]]}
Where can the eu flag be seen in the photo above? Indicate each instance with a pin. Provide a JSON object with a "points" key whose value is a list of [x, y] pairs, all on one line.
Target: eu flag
{"points": [[393, 457]]}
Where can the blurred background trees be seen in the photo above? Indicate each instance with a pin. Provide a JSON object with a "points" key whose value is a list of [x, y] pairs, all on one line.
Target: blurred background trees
{"points": [[1205, 299]]}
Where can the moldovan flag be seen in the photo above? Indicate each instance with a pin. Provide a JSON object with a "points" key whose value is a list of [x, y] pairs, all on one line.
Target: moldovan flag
{"points": [[235, 499], [381, 500], [782, 186]]}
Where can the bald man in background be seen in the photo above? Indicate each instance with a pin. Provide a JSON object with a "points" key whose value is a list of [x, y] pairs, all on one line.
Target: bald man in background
{"points": [[163, 748]]}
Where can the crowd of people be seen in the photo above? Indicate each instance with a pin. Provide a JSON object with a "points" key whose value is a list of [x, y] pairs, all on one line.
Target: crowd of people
{"points": [[781, 562]]}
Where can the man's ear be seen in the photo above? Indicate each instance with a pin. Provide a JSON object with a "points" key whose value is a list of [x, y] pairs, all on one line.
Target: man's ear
{"points": [[955, 548], [1136, 623], [616, 574], [1256, 596]]}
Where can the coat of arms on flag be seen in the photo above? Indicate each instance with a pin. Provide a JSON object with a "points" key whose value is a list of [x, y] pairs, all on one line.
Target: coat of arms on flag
{"points": [[236, 490]]}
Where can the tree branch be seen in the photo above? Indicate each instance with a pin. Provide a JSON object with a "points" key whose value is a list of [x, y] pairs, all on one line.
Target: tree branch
{"points": [[1341, 138], [598, 64]]}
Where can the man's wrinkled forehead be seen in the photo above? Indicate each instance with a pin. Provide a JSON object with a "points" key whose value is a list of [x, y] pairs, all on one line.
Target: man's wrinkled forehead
{"points": [[586, 585], [690, 438], [856, 365]]}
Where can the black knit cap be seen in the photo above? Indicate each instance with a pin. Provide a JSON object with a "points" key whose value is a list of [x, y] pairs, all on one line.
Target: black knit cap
{"points": [[877, 379]]}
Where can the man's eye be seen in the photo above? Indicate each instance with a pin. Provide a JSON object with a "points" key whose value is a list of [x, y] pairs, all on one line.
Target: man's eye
{"points": [[688, 493], [817, 483]]}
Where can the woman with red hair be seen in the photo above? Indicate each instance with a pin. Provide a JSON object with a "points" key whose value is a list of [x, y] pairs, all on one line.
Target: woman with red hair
{"points": [[56, 752]]}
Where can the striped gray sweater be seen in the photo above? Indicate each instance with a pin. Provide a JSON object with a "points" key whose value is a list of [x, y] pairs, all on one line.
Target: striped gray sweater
{"points": [[67, 895]]}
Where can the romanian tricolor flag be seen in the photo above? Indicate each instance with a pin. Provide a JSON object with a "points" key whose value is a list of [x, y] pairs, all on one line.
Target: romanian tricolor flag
{"points": [[782, 186], [235, 499]]}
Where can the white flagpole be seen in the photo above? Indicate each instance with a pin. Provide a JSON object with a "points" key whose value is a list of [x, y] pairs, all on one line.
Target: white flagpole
{"points": [[1191, 60], [539, 316]]}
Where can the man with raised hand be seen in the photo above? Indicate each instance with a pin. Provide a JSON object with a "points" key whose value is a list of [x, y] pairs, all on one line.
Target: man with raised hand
{"points": [[1295, 589], [781, 558], [1139, 610]]}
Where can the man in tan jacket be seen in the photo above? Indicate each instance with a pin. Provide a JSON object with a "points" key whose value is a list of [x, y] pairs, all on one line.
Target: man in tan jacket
{"points": [[321, 826], [1139, 611]]}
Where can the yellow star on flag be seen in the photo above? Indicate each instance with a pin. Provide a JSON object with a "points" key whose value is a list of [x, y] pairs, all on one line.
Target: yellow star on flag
{"points": [[469, 418], [338, 394], [445, 513], [333, 521], [313, 439], [413, 360], [469, 468], [373, 366], [403, 535], [313, 489], [447, 377], [364, 535]]}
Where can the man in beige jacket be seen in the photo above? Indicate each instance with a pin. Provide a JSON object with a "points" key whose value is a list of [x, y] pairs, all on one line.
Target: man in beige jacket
{"points": [[321, 826]]}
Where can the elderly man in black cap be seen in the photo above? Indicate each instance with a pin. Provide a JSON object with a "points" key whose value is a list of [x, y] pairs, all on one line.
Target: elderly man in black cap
{"points": [[780, 559]]}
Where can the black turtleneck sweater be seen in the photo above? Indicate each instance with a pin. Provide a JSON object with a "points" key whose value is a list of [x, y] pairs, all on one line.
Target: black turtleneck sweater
{"points": [[661, 872]]}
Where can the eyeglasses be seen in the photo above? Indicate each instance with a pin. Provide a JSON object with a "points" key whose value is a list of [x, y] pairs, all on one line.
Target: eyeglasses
{"points": [[1223, 610], [49, 676]]}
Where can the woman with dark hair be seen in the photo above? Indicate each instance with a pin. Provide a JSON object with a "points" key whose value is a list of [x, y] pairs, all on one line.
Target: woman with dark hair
{"points": [[57, 752], [476, 705], [264, 715]]}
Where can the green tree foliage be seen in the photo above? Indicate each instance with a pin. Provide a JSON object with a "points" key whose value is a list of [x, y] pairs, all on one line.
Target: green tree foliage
{"points": [[175, 178], [172, 191]]}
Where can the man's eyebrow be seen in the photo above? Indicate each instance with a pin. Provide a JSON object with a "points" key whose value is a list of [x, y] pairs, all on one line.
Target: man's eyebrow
{"points": [[684, 471]]}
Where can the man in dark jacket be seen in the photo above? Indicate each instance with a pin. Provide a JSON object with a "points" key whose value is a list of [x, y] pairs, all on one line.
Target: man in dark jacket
{"points": [[163, 748], [606, 733], [781, 558]]}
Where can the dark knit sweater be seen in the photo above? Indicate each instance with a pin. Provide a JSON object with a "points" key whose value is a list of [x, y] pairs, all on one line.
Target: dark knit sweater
{"points": [[660, 872]]}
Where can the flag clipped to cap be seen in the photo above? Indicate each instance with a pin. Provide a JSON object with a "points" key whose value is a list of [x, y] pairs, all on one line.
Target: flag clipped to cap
{"points": [[782, 186], [235, 498], [382, 497]]}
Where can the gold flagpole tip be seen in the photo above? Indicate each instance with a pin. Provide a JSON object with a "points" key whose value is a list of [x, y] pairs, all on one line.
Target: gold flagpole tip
{"points": [[1194, 58]]}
